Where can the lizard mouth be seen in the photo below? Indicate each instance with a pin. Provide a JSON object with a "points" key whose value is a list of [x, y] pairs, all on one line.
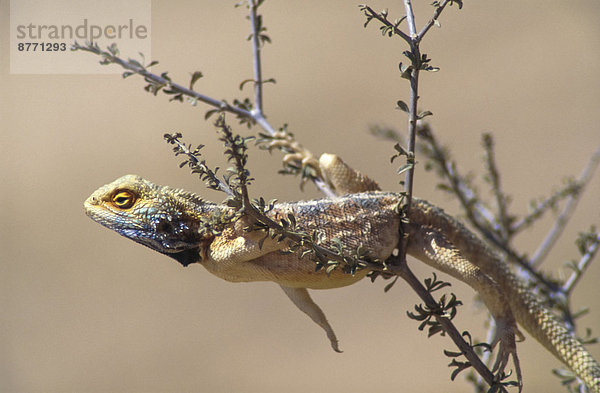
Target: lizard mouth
{"points": [[186, 257]]}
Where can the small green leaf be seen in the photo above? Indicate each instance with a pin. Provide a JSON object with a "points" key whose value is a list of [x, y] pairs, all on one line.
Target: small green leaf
{"points": [[424, 114], [429, 68], [209, 113], [243, 83], [452, 354], [404, 168], [135, 63], [195, 76], [410, 56], [402, 106], [112, 48], [405, 69], [390, 285], [401, 150]]}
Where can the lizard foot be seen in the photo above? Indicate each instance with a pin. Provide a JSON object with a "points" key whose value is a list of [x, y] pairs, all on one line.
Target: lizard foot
{"points": [[505, 337], [295, 153]]}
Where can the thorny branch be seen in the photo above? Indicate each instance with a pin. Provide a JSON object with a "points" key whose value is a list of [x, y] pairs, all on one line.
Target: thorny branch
{"points": [[399, 265]]}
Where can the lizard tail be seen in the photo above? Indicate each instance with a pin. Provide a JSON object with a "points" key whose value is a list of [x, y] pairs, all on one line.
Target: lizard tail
{"points": [[552, 333], [527, 310]]}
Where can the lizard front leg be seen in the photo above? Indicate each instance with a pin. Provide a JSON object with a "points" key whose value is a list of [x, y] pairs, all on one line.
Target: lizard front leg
{"points": [[302, 300], [240, 256]]}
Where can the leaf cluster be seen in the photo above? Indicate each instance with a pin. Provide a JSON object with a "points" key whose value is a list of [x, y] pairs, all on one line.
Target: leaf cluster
{"points": [[197, 164], [445, 308], [460, 366]]}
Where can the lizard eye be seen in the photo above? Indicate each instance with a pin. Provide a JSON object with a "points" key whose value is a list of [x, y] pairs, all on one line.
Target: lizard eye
{"points": [[123, 199]]}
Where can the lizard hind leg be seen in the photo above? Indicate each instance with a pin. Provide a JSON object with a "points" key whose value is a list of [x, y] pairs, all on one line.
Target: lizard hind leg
{"points": [[431, 247], [343, 178], [302, 300]]}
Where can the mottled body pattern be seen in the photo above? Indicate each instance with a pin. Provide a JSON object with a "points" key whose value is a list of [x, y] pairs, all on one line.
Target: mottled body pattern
{"points": [[365, 219]]}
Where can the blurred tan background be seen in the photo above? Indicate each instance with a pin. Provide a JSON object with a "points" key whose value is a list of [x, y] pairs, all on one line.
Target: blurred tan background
{"points": [[84, 310]]}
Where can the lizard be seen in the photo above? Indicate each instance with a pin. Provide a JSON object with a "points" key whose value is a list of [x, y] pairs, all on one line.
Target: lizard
{"points": [[171, 221]]}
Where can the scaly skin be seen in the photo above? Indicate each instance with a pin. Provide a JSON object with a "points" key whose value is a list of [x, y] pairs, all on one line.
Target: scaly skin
{"points": [[170, 221]]}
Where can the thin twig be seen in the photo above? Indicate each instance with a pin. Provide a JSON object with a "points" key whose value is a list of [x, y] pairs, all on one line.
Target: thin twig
{"points": [[194, 162], [477, 214], [582, 265], [220, 104], [414, 97], [567, 212], [370, 13], [503, 218], [261, 121], [410, 19], [258, 99], [433, 19], [413, 40], [258, 113], [541, 207]]}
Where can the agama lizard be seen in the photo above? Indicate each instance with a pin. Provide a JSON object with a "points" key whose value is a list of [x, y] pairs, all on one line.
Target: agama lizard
{"points": [[169, 221]]}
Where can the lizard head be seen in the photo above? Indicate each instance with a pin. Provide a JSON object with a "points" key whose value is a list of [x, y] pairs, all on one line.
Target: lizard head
{"points": [[162, 218]]}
